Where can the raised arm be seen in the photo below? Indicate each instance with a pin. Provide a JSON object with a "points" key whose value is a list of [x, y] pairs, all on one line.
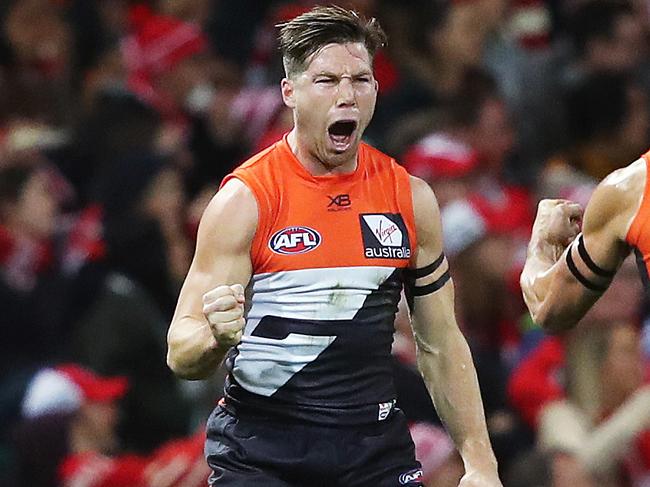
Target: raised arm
{"points": [[443, 355], [209, 312], [567, 271]]}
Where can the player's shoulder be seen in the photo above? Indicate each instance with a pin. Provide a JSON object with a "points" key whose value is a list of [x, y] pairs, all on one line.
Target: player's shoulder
{"points": [[368, 150], [618, 196], [425, 206], [261, 159], [374, 155], [260, 171], [229, 220], [423, 196], [629, 178], [234, 201], [622, 187]]}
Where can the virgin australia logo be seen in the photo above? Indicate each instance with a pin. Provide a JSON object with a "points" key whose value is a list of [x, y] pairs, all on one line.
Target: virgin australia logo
{"points": [[385, 236]]}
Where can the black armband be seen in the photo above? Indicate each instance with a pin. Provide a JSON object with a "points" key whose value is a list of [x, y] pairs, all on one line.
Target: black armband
{"points": [[433, 287], [582, 279], [411, 275], [593, 267]]}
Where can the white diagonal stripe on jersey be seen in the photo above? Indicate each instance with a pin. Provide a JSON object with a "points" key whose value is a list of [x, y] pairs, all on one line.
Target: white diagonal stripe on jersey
{"points": [[263, 365], [335, 293]]}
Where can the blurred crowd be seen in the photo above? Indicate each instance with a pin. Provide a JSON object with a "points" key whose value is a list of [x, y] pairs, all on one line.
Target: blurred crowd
{"points": [[118, 120]]}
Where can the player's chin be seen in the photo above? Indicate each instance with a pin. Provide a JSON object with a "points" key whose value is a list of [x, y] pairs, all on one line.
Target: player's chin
{"points": [[337, 158], [343, 149]]}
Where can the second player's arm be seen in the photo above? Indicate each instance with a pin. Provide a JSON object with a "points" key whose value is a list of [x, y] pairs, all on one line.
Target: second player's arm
{"points": [[222, 258], [558, 288], [443, 356]]}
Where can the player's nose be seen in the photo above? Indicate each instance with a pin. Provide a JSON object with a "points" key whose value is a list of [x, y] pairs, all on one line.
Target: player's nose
{"points": [[346, 95]]}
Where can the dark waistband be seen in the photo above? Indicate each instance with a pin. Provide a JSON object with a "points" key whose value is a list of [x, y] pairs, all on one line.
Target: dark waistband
{"points": [[265, 409]]}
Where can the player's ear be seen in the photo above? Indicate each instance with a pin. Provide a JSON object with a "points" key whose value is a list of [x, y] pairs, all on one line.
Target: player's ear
{"points": [[288, 92]]}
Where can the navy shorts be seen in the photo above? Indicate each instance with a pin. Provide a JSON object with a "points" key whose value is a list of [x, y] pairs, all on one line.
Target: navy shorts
{"points": [[245, 451]]}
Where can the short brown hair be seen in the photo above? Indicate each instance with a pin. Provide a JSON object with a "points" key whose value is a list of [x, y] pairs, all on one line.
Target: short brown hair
{"points": [[306, 34]]}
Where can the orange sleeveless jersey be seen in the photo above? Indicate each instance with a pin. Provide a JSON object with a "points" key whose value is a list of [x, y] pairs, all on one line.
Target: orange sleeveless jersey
{"points": [[289, 196], [638, 236], [327, 258]]}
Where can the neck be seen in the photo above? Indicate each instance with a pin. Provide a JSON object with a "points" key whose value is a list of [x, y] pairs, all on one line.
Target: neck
{"points": [[315, 165], [83, 440], [80, 441]]}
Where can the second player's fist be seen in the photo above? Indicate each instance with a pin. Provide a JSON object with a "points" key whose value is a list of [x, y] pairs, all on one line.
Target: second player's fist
{"points": [[558, 221], [223, 307]]}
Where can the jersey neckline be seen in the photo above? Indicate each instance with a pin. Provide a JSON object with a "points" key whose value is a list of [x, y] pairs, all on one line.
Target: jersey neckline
{"points": [[302, 171]]}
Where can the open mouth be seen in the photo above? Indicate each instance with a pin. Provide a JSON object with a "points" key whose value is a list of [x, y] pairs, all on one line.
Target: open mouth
{"points": [[341, 132]]}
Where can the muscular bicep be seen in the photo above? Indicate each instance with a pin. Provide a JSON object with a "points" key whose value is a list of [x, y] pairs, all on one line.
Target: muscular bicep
{"points": [[223, 247], [429, 286]]}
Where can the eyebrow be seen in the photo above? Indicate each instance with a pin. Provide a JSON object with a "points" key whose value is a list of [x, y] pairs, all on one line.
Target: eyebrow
{"points": [[328, 74]]}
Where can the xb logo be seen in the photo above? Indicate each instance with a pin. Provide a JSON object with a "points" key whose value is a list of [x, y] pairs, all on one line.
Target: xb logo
{"points": [[339, 202]]}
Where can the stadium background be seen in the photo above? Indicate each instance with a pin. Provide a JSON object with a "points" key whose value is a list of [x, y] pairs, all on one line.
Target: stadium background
{"points": [[118, 120]]}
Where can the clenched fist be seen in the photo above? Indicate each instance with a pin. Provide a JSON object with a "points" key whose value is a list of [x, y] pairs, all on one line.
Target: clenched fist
{"points": [[557, 222], [223, 307]]}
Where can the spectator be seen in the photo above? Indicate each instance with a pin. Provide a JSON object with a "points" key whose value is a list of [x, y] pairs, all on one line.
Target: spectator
{"points": [[70, 415], [113, 138], [32, 312], [142, 200], [617, 130], [432, 44], [142, 197], [68, 437], [39, 62], [607, 35], [598, 429], [483, 213], [594, 36]]}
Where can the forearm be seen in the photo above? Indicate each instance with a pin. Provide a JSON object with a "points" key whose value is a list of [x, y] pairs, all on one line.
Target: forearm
{"points": [[193, 352], [537, 275], [450, 377], [555, 299]]}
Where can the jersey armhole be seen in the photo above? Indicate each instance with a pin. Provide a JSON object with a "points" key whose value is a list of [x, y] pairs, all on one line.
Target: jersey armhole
{"points": [[635, 232]]}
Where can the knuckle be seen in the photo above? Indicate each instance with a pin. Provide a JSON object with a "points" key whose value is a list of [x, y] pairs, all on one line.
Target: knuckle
{"points": [[225, 303], [218, 305], [216, 293], [217, 318]]}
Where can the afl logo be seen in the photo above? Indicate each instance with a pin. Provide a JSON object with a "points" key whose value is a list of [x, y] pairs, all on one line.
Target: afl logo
{"points": [[412, 476], [294, 240]]}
